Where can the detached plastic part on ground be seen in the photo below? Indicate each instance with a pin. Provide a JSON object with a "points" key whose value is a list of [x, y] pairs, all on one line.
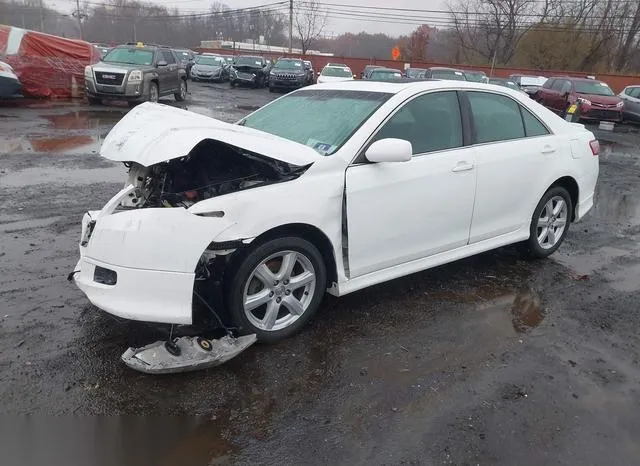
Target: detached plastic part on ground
{"points": [[185, 354]]}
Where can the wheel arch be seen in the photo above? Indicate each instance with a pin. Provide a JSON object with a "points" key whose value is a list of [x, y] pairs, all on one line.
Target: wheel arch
{"points": [[310, 233], [571, 185]]}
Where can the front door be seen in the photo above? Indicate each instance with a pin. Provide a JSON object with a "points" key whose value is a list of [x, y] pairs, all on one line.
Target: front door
{"points": [[402, 211]]}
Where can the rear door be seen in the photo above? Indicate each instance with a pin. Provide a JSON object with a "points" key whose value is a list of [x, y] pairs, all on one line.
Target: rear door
{"points": [[512, 148]]}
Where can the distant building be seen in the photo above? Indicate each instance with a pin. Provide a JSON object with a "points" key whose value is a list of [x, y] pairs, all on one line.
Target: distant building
{"points": [[254, 47]]}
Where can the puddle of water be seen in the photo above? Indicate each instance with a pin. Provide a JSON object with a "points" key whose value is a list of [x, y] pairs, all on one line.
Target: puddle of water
{"points": [[125, 440], [585, 263], [46, 175], [27, 224], [626, 279], [84, 119], [506, 312], [610, 206]]}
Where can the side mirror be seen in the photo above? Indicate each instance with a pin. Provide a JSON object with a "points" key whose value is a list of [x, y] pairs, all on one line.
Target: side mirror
{"points": [[162, 63], [389, 150], [354, 76]]}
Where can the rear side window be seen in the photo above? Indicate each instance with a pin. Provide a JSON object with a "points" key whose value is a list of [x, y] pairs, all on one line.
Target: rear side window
{"points": [[532, 125], [557, 84], [549, 84], [167, 55], [633, 91], [496, 117]]}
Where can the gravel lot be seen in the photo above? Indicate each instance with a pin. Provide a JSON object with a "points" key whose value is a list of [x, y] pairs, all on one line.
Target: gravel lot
{"points": [[491, 360]]}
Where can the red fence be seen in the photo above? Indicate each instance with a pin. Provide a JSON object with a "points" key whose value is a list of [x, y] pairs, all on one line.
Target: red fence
{"points": [[616, 81]]}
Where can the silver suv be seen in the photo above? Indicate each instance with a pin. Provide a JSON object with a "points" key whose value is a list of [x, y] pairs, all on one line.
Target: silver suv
{"points": [[136, 73]]}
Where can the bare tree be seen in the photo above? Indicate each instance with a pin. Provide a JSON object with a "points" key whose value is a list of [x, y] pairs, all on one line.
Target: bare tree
{"points": [[492, 29], [309, 20]]}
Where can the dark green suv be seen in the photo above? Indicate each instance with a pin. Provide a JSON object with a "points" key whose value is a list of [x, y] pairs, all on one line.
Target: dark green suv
{"points": [[136, 73]]}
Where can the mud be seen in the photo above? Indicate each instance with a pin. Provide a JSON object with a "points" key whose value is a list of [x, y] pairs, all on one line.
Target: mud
{"points": [[490, 360]]}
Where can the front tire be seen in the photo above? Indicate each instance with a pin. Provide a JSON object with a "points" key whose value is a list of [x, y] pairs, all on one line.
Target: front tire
{"points": [[276, 288], [549, 223]]}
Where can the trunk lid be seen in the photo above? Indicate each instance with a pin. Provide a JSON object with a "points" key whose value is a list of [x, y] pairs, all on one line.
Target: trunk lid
{"points": [[153, 133]]}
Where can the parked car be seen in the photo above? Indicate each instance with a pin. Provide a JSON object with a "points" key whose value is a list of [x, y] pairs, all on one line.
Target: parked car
{"points": [[529, 84], [385, 74], [438, 72], [505, 83], [308, 66], [249, 70], [9, 82], [415, 73], [367, 71], [210, 67], [630, 95], [136, 73], [186, 58], [287, 74], [558, 93], [476, 76], [331, 74], [377, 182]]}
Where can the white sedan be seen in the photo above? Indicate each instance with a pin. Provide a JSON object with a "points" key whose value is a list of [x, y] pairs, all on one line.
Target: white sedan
{"points": [[380, 180], [334, 74]]}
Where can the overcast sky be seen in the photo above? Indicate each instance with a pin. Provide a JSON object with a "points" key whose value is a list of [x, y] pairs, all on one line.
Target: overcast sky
{"points": [[334, 26]]}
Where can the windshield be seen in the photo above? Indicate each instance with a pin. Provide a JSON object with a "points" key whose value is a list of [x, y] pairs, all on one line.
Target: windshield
{"points": [[130, 56], [593, 88], [248, 61], [211, 61], [338, 72], [385, 74], [415, 73], [446, 74], [509, 84], [289, 65], [531, 81], [475, 76], [182, 56], [333, 118]]}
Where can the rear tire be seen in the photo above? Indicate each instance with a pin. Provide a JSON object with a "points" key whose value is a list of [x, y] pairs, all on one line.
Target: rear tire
{"points": [[274, 300], [549, 223]]}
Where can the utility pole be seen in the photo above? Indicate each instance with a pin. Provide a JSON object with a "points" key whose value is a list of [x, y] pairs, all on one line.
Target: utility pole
{"points": [[290, 25], [79, 17]]}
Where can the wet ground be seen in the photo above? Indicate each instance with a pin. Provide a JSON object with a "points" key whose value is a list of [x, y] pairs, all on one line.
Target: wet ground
{"points": [[492, 360]]}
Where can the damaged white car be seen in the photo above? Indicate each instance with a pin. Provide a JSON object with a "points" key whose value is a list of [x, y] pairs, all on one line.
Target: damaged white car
{"points": [[330, 188]]}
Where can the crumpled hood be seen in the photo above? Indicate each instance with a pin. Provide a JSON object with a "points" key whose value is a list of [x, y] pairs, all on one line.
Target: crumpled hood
{"points": [[152, 133]]}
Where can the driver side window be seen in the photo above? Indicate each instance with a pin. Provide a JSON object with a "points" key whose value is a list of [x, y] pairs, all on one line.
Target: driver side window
{"points": [[430, 122]]}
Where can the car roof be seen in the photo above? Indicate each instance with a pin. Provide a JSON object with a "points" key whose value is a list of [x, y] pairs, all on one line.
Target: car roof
{"points": [[388, 69], [474, 71], [248, 56], [444, 68]]}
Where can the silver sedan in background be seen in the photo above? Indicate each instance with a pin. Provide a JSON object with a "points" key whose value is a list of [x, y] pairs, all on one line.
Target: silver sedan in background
{"points": [[630, 95]]}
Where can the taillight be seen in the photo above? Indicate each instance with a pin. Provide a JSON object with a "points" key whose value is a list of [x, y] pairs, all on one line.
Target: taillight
{"points": [[595, 147]]}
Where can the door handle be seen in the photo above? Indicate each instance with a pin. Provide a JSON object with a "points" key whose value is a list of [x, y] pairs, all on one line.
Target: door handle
{"points": [[548, 150], [462, 167]]}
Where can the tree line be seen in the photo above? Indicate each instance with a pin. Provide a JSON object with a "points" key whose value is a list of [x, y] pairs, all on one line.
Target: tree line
{"points": [[581, 35]]}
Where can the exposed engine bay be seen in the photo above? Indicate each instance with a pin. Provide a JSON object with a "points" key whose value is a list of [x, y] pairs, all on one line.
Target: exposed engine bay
{"points": [[211, 169]]}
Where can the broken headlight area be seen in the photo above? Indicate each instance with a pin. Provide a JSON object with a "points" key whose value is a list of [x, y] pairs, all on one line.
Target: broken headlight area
{"points": [[211, 169]]}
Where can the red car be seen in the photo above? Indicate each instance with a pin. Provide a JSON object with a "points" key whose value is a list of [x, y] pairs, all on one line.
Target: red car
{"points": [[559, 93]]}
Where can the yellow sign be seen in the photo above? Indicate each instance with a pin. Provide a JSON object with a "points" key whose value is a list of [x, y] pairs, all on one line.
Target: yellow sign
{"points": [[572, 109], [139, 44]]}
